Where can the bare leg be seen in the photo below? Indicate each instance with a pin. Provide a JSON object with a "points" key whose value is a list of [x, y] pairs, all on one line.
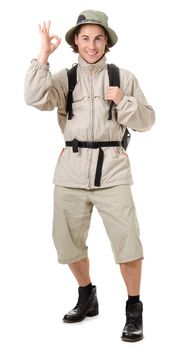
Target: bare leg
{"points": [[80, 270], [133, 329], [131, 273], [87, 304]]}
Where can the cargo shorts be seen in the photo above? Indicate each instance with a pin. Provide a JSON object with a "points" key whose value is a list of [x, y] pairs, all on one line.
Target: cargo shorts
{"points": [[72, 215]]}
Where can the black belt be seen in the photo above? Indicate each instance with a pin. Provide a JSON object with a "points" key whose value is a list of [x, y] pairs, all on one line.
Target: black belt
{"points": [[75, 144]]}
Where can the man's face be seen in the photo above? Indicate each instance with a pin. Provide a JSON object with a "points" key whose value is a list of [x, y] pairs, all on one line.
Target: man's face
{"points": [[91, 42]]}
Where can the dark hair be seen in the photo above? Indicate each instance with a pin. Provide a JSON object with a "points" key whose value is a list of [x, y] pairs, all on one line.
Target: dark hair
{"points": [[77, 31]]}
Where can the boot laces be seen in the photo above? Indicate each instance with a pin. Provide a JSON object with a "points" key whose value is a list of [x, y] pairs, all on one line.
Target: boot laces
{"points": [[81, 303], [133, 320]]}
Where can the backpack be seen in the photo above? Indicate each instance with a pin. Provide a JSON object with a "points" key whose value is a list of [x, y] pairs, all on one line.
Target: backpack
{"points": [[114, 80]]}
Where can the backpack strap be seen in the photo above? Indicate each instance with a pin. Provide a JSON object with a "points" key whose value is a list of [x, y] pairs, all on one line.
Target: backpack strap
{"points": [[114, 80], [72, 81]]}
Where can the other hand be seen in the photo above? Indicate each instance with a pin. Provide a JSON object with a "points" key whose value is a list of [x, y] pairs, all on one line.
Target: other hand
{"points": [[114, 93]]}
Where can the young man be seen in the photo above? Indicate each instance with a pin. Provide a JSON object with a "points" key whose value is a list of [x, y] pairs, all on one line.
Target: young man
{"points": [[93, 168]]}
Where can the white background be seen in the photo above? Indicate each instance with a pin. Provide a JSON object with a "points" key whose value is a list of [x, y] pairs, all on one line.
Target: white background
{"points": [[35, 290]]}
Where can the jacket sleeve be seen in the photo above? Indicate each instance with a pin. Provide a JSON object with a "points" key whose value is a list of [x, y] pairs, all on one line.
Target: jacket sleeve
{"points": [[44, 91], [134, 111]]}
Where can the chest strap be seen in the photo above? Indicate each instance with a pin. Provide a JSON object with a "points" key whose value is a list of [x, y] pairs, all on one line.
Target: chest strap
{"points": [[75, 144]]}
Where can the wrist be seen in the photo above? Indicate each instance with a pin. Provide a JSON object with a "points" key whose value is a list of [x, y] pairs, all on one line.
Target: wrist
{"points": [[42, 58]]}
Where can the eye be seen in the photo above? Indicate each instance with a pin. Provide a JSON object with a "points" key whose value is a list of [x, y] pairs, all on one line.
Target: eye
{"points": [[98, 39]]}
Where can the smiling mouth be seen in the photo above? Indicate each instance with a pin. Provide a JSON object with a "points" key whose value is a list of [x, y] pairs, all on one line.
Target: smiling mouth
{"points": [[91, 53]]}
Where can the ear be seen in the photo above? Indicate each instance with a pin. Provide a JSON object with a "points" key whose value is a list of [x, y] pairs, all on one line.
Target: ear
{"points": [[76, 39]]}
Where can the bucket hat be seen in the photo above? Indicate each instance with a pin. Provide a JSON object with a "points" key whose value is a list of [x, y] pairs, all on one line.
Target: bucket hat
{"points": [[93, 17]]}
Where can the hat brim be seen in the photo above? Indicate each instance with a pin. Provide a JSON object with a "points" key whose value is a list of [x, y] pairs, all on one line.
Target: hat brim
{"points": [[112, 35]]}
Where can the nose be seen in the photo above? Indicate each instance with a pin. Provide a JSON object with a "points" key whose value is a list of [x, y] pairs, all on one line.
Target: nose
{"points": [[92, 45]]}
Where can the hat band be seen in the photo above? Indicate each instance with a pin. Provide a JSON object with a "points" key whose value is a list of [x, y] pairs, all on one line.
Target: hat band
{"points": [[82, 21]]}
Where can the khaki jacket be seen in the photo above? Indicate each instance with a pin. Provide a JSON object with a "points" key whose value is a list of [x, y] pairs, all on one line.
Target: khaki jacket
{"points": [[90, 120]]}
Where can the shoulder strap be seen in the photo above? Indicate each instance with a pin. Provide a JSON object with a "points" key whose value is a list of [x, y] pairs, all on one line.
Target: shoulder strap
{"points": [[114, 80], [72, 81], [113, 73]]}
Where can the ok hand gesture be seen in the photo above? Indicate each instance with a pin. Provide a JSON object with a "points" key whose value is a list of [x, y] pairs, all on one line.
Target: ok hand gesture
{"points": [[47, 46]]}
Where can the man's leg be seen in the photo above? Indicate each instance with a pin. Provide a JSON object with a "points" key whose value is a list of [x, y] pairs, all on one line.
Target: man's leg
{"points": [[131, 272], [117, 209], [87, 304], [80, 270], [72, 214]]}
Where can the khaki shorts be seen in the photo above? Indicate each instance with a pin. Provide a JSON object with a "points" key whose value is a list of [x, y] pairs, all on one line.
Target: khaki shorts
{"points": [[72, 214]]}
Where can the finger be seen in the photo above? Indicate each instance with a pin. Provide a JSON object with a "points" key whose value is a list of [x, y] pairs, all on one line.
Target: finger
{"points": [[48, 26], [110, 93], [44, 26], [39, 28], [58, 42], [55, 45], [108, 97]]}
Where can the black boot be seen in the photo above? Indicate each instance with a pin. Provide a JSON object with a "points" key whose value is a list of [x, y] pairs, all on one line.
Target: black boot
{"points": [[133, 329], [86, 306]]}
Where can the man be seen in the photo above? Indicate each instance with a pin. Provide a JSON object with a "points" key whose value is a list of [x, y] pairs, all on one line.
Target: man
{"points": [[93, 168]]}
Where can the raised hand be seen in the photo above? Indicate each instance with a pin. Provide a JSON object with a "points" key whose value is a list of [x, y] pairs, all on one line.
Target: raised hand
{"points": [[47, 45]]}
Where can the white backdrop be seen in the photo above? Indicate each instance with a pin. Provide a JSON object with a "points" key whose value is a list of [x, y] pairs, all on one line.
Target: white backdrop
{"points": [[35, 290]]}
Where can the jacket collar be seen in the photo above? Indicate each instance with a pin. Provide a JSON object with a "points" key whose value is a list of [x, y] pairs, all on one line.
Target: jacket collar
{"points": [[95, 66]]}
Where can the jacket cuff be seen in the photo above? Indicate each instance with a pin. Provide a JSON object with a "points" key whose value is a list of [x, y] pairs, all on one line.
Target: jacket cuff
{"points": [[39, 66], [123, 102]]}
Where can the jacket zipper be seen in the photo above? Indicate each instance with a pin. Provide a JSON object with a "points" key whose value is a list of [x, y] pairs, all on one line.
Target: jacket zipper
{"points": [[91, 122]]}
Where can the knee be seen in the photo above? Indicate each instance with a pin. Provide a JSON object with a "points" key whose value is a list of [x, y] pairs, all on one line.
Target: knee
{"points": [[131, 264]]}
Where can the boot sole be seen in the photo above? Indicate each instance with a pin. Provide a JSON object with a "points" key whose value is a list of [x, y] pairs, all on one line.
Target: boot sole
{"points": [[132, 340], [89, 314]]}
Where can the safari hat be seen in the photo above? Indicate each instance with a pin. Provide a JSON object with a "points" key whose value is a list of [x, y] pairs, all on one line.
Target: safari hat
{"points": [[93, 17]]}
